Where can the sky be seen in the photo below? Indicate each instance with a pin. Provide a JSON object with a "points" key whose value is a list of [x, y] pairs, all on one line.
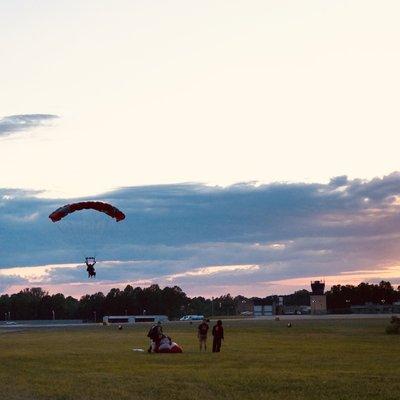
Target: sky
{"points": [[253, 145]]}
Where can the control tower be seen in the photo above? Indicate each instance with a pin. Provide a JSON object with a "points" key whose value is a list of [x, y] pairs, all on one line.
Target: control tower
{"points": [[318, 298]]}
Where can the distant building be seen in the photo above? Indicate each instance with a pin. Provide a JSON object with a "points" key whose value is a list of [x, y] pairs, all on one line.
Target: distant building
{"points": [[374, 308], [245, 307], [292, 310], [264, 307], [318, 298]]}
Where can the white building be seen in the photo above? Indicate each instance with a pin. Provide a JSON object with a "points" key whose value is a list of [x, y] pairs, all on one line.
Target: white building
{"points": [[263, 307], [133, 319]]}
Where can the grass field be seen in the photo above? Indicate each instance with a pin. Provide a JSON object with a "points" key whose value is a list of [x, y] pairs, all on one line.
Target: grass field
{"points": [[317, 359]]}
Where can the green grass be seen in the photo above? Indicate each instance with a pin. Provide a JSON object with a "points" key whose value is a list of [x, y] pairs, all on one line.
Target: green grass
{"points": [[317, 359]]}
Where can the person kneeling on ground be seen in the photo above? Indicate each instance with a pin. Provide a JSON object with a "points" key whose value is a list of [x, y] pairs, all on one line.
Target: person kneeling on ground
{"points": [[155, 333]]}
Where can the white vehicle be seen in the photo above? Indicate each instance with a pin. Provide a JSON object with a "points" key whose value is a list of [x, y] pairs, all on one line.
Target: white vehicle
{"points": [[192, 318]]}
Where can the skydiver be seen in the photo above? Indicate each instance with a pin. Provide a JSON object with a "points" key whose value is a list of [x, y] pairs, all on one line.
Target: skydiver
{"points": [[90, 262], [91, 271]]}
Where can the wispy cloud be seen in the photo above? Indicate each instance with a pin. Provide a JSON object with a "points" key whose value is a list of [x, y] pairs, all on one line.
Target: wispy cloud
{"points": [[23, 122]]}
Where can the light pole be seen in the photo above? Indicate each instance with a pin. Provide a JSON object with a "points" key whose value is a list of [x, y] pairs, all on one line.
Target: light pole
{"points": [[212, 306], [95, 316]]}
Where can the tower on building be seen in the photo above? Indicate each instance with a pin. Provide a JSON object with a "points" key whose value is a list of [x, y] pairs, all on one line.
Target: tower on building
{"points": [[318, 298]]}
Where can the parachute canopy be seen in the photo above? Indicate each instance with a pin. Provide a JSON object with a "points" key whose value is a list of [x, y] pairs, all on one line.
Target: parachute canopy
{"points": [[106, 208]]}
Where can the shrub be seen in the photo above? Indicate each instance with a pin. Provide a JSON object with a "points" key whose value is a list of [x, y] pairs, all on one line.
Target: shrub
{"points": [[394, 327]]}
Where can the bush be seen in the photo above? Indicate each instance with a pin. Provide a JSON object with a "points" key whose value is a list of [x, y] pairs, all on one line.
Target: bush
{"points": [[394, 327]]}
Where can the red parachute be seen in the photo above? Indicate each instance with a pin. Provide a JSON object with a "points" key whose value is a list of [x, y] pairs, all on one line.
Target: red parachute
{"points": [[106, 208]]}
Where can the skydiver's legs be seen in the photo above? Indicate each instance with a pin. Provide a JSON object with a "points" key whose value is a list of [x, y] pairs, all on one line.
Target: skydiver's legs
{"points": [[91, 272]]}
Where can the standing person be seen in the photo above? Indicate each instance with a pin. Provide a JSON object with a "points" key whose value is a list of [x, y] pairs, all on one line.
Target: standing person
{"points": [[155, 334], [218, 333], [202, 331]]}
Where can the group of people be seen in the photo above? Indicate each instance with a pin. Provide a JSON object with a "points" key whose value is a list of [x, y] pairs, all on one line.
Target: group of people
{"points": [[161, 343], [217, 333]]}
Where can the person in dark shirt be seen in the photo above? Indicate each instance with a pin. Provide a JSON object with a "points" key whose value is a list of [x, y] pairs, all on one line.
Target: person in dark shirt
{"points": [[202, 331], [218, 334], [155, 334]]}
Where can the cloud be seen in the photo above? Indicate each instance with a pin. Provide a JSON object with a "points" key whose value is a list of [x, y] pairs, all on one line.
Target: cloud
{"points": [[205, 238], [11, 280], [23, 122]]}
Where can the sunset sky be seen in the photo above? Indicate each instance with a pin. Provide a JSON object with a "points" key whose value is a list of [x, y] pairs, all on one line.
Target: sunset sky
{"points": [[253, 145]]}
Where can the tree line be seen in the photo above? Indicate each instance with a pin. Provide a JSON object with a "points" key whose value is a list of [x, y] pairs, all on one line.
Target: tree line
{"points": [[342, 297], [35, 303]]}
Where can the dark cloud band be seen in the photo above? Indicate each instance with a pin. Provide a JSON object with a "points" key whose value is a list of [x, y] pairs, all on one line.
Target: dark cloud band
{"points": [[287, 230]]}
